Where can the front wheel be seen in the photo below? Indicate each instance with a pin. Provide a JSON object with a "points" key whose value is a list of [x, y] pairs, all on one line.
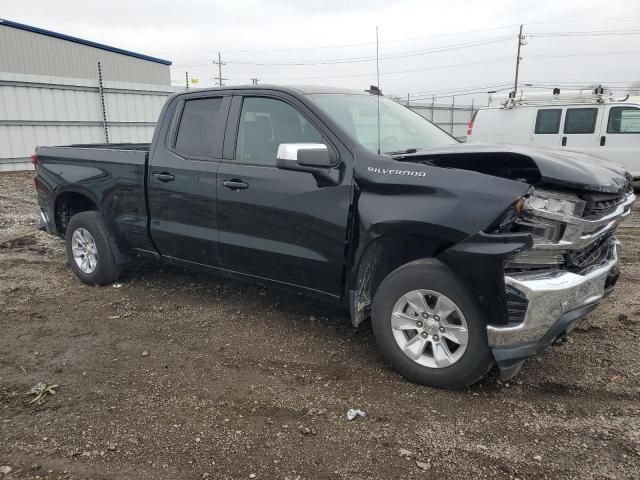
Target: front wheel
{"points": [[429, 326], [89, 249]]}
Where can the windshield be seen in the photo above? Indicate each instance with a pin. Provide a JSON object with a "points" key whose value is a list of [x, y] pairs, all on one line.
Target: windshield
{"points": [[401, 129]]}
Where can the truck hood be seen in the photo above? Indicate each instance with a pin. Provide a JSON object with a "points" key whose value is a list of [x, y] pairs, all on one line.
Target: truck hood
{"points": [[532, 164]]}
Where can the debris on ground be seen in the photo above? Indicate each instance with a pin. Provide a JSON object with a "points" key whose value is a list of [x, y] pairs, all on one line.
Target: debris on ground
{"points": [[423, 465], [41, 390], [116, 285], [5, 469], [405, 453], [353, 413]]}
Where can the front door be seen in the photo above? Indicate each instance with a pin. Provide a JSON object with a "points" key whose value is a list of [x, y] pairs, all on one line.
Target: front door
{"points": [[182, 180], [281, 225]]}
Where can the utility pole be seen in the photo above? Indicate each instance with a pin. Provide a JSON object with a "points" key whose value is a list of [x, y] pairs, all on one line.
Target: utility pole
{"points": [[254, 81], [521, 42], [220, 63], [186, 79]]}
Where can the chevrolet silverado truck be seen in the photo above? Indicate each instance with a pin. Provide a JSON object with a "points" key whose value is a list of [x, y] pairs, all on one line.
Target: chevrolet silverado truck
{"points": [[463, 256]]}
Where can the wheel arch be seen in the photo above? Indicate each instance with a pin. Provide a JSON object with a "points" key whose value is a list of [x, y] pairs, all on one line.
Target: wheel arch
{"points": [[382, 255], [67, 203], [70, 202]]}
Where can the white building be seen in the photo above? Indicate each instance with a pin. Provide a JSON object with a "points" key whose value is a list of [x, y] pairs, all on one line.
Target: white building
{"points": [[57, 90]]}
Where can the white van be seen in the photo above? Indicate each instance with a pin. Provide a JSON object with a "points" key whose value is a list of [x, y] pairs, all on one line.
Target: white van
{"points": [[584, 121]]}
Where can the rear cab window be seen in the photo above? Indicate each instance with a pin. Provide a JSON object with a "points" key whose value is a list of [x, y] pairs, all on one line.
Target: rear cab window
{"points": [[198, 134], [624, 120], [580, 120], [548, 121]]}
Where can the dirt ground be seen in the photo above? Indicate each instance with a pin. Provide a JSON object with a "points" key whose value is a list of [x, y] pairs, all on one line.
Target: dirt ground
{"points": [[181, 375]]}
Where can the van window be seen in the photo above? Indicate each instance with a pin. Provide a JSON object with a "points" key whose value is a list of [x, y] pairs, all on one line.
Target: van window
{"points": [[580, 120], [624, 120], [548, 121], [198, 125], [265, 123]]}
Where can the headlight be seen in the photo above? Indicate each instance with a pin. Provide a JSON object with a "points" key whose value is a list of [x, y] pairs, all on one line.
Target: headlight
{"points": [[555, 202]]}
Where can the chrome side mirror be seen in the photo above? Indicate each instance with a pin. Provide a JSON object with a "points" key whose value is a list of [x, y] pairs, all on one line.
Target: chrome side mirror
{"points": [[305, 157]]}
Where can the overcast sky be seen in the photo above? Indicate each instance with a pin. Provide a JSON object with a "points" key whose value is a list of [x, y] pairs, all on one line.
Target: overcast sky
{"points": [[285, 36]]}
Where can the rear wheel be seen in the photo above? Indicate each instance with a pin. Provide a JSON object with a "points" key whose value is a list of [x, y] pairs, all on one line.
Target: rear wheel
{"points": [[89, 249], [429, 326]]}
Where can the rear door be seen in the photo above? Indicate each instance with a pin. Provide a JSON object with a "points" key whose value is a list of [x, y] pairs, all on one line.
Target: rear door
{"points": [[620, 137], [281, 225], [182, 179], [546, 130], [580, 129]]}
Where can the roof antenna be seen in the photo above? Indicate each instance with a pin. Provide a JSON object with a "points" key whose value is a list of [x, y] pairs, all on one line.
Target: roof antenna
{"points": [[378, 86]]}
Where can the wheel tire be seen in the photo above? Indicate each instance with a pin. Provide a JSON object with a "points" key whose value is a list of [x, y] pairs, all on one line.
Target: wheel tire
{"points": [[431, 274], [106, 270]]}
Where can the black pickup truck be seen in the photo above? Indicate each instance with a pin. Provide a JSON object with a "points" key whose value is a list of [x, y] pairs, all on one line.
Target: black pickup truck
{"points": [[462, 255]]}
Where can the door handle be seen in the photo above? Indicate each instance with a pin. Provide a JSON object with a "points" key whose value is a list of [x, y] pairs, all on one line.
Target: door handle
{"points": [[564, 141], [164, 177], [603, 140], [235, 184]]}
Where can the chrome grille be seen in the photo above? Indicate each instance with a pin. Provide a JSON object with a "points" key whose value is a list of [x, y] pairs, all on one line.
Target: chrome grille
{"points": [[599, 204], [592, 254]]}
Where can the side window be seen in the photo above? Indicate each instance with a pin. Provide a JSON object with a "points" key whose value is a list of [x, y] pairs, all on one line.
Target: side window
{"points": [[265, 123], [548, 121], [624, 120], [580, 120], [198, 130]]}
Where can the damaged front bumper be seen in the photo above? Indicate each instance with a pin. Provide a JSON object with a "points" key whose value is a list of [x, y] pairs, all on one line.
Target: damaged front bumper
{"points": [[555, 301]]}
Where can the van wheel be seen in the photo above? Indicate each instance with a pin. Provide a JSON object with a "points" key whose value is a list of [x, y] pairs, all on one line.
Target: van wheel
{"points": [[429, 327], [89, 251]]}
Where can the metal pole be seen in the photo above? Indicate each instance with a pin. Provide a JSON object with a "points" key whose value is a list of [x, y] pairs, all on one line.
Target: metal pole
{"points": [[219, 70], [453, 103], [408, 101], [186, 79], [433, 104], [103, 104], [515, 87]]}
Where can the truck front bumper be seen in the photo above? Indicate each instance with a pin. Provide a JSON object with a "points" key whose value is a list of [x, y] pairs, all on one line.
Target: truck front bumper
{"points": [[555, 302]]}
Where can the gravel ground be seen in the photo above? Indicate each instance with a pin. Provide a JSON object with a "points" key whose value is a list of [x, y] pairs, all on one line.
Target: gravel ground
{"points": [[180, 375]]}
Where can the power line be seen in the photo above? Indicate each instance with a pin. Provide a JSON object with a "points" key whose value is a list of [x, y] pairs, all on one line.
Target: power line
{"points": [[584, 20], [365, 58], [585, 34], [395, 72], [399, 40], [452, 65], [410, 53]]}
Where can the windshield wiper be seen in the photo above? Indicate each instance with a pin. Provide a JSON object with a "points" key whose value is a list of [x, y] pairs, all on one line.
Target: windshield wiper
{"points": [[403, 152]]}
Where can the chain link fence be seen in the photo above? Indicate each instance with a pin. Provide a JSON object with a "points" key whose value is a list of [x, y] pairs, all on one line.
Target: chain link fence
{"points": [[452, 118]]}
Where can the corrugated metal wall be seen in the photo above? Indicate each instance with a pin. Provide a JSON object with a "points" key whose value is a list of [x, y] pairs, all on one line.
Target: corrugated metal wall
{"points": [[49, 93], [38, 110], [35, 54]]}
